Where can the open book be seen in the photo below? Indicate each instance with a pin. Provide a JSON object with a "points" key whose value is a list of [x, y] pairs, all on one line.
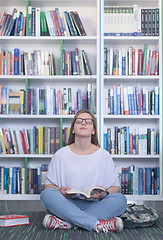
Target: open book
{"points": [[87, 192]]}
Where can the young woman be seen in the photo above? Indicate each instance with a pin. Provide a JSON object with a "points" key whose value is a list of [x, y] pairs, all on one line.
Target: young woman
{"points": [[83, 163]]}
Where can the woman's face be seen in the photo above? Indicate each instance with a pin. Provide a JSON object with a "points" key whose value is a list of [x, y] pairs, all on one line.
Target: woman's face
{"points": [[84, 125]]}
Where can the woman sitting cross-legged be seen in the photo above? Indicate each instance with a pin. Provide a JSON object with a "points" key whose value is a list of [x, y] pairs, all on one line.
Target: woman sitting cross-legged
{"points": [[83, 163]]}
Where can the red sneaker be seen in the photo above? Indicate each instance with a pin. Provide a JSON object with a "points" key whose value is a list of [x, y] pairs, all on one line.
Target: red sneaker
{"points": [[111, 225], [52, 222]]}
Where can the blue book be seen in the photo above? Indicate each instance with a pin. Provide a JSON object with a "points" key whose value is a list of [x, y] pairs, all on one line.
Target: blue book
{"points": [[129, 101], [156, 101], [16, 24], [74, 67], [157, 143], [70, 62], [9, 28], [123, 65], [5, 180], [140, 181], [105, 141], [148, 180], [63, 61], [38, 181], [69, 23], [57, 102], [6, 61], [16, 61], [132, 101], [34, 139], [14, 180], [135, 101], [118, 101], [134, 141], [59, 21], [21, 24], [158, 180], [144, 101], [111, 101]]}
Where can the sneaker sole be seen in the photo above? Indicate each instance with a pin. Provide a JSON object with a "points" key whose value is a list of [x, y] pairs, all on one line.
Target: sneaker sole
{"points": [[120, 224], [45, 220]]}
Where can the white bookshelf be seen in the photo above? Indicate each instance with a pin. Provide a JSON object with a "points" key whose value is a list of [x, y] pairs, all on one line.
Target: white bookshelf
{"points": [[89, 43], [91, 13], [108, 81]]}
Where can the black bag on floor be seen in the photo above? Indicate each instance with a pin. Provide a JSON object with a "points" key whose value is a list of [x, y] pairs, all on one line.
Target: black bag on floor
{"points": [[139, 216]]}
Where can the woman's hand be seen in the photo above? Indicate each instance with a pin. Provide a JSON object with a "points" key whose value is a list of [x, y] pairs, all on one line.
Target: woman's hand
{"points": [[98, 194], [63, 191]]}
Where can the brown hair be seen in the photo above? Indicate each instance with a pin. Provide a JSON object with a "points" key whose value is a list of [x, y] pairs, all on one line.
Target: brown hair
{"points": [[94, 137]]}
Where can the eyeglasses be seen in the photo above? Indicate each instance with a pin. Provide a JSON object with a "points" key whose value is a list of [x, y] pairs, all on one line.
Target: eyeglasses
{"points": [[88, 121]]}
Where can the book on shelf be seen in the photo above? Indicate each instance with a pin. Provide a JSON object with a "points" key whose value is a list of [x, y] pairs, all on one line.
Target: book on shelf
{"points": [[86, 193], [36, 140], [131, 21], [135, 180], [14, 181], [44, 23], [13, 220], [131, 61], [132, 141], [121, 100]]}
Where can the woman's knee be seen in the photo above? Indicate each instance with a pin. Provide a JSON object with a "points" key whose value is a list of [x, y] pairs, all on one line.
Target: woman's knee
{"points": [[121, 199], [48, 193]]}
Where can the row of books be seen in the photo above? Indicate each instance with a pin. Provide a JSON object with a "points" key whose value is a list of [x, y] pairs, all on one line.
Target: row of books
{"points": [[139, 180], [37, 140], [132, 140], [131, 101], [75, 63], [47, 101], [41, 23], [131, 21], [12, 180], [18, 62], [131, 61]]}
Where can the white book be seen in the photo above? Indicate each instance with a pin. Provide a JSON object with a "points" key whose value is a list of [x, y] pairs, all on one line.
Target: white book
{"points": [[144, 141], [48, 140], [39, 67], [135, 19], [122, 98], [140, 141], [46, 67], [23, 181], [10, 180], [13, 138], [43, 63], [136, 61], [152, 141], [111, 61], [66, 26], [130, 60], [87, 192], [51, 101], [127, 60], [37, 22], [120, 62], [50, 23], [19, 142], [105, 101], [139, 21], [126, 106]]}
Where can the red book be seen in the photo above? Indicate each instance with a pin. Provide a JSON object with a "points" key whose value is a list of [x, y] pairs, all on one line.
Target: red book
{"points": [[54, 23], [24, 26], [13, 220], [140, 61], [25, 142], [156, 63], [133, 61], [22, 141], [131, 142], [140, 102]]}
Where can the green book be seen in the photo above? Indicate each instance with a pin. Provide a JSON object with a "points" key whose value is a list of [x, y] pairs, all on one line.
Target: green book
{"points": [[144, 59], [29, 21]]}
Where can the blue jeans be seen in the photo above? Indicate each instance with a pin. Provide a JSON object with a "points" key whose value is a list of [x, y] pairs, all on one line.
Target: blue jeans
{"points": [[83, 213]]}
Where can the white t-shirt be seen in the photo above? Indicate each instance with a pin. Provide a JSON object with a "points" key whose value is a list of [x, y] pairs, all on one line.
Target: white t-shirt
{"points": [[69, 169]]}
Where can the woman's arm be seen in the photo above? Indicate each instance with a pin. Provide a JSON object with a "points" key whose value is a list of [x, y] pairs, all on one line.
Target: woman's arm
{"points": [[113, 189]]}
